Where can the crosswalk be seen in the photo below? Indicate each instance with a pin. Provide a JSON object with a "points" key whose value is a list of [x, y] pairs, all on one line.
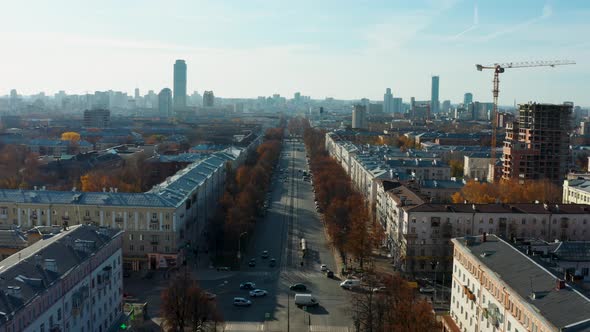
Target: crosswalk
{"points": [[261, 327]]}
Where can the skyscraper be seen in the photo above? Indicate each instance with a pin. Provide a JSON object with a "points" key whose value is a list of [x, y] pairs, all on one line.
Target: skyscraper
{"points": [[359, 117], [434, 103], [165, 103], [179, 85], [537, 145], [388, 101], [397, 105], [467, 99], [208, 99]]}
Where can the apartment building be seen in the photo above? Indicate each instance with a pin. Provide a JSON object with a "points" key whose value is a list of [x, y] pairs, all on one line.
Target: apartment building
{"points": [[418, 232], [537, 144], [71, 281], [498, 288], [576, 191], [97, 118], [158, 224]]}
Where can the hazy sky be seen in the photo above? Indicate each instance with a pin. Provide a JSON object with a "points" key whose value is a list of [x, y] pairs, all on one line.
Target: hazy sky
{"points": [[343, 49]]}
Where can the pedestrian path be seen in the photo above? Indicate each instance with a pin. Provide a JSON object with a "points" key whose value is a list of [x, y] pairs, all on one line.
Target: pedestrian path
{"points": [[252, 327]]}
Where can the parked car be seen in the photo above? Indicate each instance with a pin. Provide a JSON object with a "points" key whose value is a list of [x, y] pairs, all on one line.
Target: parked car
{"points": [[330, 274], [248, 285], [252, 263], [272, 262], [379, 290], [350, 283], [427, 289], [324, 267], [298, 287], [258, 293], [264, 254], [242, 302]]}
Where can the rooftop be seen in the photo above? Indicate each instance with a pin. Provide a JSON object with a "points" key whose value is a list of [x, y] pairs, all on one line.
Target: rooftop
{"points": [[23, 272], [524, 208], [565, 308]]}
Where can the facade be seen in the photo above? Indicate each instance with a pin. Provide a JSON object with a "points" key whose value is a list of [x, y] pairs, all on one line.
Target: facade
{"points": [[418, 232], [165, 103], [388, 101], [467, 98], [476, 166], [72, 281], [537, 145], [208, 99], [434, 102], [498, 288], [97, 118], [359, 117], [157, 223], [576, 191], [179, 85]]}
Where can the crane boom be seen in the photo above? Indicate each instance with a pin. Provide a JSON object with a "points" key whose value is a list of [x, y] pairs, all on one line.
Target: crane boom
{"points": [[498, 69]]}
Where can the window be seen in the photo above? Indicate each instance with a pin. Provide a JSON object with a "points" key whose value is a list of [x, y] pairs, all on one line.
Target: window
{"points": [[140, 237], [154, 248], [130, 237], [491, 221], [59, 314], [87, 213]]}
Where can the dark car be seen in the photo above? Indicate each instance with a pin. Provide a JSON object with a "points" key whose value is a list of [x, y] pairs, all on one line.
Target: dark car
{"points": [[248, 285], [298, 287], [272, 262], [330, 274], [252, 263]]}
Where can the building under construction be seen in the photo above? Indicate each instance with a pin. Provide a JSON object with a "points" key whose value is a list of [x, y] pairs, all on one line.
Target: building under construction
{"points": [[537, 143]]}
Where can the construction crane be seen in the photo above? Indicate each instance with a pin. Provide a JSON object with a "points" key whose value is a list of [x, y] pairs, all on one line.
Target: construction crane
{"points": [[498, 69]]}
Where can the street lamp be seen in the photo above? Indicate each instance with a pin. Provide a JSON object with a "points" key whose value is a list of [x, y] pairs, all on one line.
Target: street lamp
{"points": [[240, 245]]}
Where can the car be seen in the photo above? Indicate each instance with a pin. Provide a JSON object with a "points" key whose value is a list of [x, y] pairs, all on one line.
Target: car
{"points": [[330, 274], [427, 290], [210, 296], [298, 287], [242, 302], [379, 290], [272, 262], [264, 254], [350, 283], [252, 263], [306, 300], [248, 285], [258, 293], [223, 268], [324, 267]]}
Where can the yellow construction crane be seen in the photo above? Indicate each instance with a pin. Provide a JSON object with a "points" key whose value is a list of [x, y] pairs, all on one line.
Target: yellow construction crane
{"points": [[498, 69]]}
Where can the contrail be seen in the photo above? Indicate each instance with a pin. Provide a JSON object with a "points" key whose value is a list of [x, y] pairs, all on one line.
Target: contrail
{"points": [[473, 27]]}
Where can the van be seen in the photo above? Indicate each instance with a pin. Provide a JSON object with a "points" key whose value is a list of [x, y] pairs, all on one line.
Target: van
{"points": [[305, 300], [350, 283]]}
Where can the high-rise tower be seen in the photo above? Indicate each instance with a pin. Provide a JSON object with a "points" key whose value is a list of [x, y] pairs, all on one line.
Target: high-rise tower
{"points": [[165, 103], [179, 85], [434, 103], [467, 98], [388, 102]]}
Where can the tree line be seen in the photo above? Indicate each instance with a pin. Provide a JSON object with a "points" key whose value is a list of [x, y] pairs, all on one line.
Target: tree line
{"points": [[509, 191], [244, 196]]}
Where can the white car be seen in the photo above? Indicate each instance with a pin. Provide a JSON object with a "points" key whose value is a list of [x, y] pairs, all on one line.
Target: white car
{"points": [[426, 289], [242, 302], [324, 267], [258, 293]]}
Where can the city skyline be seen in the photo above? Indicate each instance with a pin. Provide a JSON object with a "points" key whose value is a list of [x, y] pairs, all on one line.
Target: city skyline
{"points": [[390, 45]]}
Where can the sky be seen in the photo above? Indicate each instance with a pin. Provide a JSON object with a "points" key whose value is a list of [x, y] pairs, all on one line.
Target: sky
{"points": [[322, 48]]}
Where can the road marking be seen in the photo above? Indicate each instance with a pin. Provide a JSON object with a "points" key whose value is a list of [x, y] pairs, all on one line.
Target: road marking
{"points": [[323, 328], [246, 327]]}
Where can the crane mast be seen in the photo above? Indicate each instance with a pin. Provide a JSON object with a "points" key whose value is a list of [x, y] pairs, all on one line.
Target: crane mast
{"points": [[498, 69]]}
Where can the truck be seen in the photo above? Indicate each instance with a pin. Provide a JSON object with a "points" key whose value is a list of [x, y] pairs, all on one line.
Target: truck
{"points": [[305, 300]]}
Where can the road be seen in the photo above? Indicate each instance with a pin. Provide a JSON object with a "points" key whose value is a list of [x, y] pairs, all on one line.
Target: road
{"points": [[291, 216]]}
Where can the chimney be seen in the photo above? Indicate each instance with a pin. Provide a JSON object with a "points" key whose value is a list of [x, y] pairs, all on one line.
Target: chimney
{"points": [[484, 237], [50, 265], [559, 284], [14, 291]]}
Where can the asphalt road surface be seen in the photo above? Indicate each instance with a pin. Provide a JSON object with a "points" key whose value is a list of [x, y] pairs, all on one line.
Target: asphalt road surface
{"points": [[291, 216]]}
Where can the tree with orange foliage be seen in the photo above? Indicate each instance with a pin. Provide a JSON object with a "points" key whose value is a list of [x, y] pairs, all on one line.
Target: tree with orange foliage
{"points": [[508, 191], [70, 136]]}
